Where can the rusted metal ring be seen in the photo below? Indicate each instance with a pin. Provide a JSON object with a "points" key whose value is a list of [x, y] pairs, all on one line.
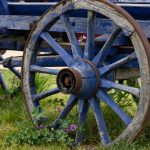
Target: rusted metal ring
{"points": [[71, 74]]}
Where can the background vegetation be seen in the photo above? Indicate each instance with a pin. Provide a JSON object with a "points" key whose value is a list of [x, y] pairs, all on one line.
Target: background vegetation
{"points": [[18, 133]]}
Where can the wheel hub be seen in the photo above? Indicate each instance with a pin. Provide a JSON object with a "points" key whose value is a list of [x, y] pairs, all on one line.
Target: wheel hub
{"points": [[81, 79], [69, 81]]}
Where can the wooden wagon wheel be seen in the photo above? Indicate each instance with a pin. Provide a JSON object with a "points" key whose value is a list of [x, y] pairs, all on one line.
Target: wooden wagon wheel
{"points": [[84, 78]]}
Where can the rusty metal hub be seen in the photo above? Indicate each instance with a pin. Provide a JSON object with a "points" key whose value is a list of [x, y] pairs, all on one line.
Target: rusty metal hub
{"points": [[69, 81], [81, 79]]}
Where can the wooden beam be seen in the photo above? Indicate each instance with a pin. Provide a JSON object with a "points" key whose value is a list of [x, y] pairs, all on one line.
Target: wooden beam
{"points": [[123, 73]]}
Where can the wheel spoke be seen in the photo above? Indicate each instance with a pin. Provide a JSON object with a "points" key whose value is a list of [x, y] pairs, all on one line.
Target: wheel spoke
{"points": [[76, 49], [117, 64], [109, 101], [89, 47], [83, 109], [2, 83], [95, 105], [36, 68], [100, 57], [69, 106], [45, 94], [17, 73], [64, 55], [109, 84]]}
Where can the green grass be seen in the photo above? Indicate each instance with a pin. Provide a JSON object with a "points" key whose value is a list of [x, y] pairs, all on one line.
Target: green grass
{"points": [[14, 119]]}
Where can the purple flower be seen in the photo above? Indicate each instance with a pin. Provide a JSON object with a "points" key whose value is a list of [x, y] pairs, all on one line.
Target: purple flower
{"points": [[41, 126], [73, 127]]}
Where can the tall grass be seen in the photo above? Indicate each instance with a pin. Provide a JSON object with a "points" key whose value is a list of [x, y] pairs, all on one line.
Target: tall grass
{"points": [[14, 120]]}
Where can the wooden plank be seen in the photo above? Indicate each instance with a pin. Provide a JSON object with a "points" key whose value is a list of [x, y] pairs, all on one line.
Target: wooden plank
{"points": [[17, 22], [29, 8], [135, 8], [43, 61], [4, 7], [127, 73], [102, 26]]}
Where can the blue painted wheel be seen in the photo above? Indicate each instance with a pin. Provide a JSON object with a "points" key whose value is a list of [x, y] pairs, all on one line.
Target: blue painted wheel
{"points": [[87, 76]]}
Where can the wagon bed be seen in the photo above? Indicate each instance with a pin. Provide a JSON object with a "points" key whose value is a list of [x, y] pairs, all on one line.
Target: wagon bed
{"points": [[22, 16]]}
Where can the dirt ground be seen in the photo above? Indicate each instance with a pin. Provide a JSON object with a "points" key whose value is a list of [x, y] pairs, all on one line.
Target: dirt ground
{"points": [[11, 54]]}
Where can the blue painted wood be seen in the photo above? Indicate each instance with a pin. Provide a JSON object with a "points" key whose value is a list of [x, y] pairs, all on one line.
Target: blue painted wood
{"points": [[109, 84], [102, 95], [119, 63], [76, 50], [15, 45], [102, 26], [4, 7], [138, 11], [89, 47], [35, 68], [43, 61], [69, 106], [37, 97], [2, 83], [88, 85], [3, 11], [12, 22], [17, 73], [95, 105], [7, 44], [63, 54], [50, 61], [120, 55], [37, 9], [31, 9], [121, 39], [100, 57], [84, 69], [83, 106]]}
